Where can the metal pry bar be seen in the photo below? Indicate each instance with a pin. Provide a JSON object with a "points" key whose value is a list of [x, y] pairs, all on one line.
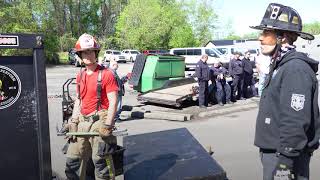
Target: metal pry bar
{"points": [[115, 133]]}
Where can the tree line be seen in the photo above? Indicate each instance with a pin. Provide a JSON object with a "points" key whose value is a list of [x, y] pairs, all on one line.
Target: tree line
{"points": [[118, 24]]}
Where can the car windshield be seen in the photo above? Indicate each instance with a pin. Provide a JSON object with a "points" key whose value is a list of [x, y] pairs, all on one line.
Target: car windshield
{"points": [[134, 52], [223, 50], [117, 52], [212, 52], [253, 51]]}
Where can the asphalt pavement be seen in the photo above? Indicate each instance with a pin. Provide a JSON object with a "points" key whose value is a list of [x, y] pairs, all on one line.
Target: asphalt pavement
{"points": [[229, 135]]}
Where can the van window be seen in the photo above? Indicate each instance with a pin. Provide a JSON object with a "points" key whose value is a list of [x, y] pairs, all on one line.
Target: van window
{"points": [[190, 52], [211, 53], [197, 52], [179, 52], [193, 52]]}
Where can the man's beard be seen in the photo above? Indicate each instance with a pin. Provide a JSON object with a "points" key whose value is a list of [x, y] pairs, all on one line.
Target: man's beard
{"points": [[267, 49]]}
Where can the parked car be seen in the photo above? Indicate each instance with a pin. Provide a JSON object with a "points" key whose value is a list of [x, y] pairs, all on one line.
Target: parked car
{"points": [[73, 58], [117, 55], [130, 54], [160, 51]]}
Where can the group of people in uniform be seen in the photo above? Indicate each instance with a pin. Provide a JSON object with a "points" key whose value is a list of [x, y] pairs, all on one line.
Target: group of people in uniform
{"points": [[287, 127], [288, 123], [220, 91]]}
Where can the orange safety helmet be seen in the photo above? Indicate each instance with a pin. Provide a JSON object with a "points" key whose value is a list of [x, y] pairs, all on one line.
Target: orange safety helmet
{"points": [[87, 42]]}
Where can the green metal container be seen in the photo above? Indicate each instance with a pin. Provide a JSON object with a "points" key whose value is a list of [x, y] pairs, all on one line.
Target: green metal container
{"points": [[158, 70]]}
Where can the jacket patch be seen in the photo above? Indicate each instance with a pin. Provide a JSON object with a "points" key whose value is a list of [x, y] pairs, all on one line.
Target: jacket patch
{"points": [[267, 121], [297, 101]]}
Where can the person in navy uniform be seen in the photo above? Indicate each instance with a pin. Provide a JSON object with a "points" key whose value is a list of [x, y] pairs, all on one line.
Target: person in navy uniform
{"points": [[248, 76], [203, 75], [223, 89], [288, 124], [236, 71]]}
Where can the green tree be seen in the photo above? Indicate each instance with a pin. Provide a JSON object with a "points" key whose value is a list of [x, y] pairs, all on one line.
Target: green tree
{"points": [[312, 28], [233, 37], [15, 17], [152, 24], [202, 17], [61, 21], [253, 35]]}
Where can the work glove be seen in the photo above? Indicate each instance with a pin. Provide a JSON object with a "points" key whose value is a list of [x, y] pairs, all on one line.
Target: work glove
{"points": [[105, 130], [284, 169], [73, 127]]}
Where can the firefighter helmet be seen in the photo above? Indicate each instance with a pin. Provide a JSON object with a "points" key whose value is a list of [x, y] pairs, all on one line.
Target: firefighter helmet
{"points": [[285, 18], [87, 42]]}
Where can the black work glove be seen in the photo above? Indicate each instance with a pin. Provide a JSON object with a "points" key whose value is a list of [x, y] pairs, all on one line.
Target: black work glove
{"points": [[284, 169]]}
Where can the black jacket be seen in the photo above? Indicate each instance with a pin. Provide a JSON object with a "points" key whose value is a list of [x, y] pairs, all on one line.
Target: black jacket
{"points": [[288, 118], [215, 71], [202, 71], [247, 66], [235, 67]]}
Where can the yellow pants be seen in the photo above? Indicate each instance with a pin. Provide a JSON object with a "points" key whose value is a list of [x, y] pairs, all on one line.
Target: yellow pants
{"points": [[79, 152]]}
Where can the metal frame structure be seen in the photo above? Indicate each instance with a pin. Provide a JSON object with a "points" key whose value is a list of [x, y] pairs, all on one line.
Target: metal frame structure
{"points": [[34, 42]]}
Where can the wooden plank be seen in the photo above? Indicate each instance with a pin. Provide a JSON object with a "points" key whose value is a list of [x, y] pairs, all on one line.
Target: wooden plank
{"points": [[171, 93], [178, 90], [161, 96]]}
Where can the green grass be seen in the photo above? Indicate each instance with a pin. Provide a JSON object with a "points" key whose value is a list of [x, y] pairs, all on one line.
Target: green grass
{"points": [[63, 57]]}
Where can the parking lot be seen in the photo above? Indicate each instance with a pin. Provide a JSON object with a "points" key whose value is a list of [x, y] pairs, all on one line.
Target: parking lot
{"points": [[230, 135]]}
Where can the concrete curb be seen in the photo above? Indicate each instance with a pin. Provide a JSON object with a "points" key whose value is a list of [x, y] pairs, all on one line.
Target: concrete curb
{"points": [[228, 110]]}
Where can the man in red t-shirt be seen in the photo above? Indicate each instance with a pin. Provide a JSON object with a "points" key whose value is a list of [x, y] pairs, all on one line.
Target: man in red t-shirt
{"points": [[97, 111]]}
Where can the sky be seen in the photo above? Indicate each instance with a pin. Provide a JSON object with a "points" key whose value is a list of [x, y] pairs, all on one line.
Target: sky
{"points": [[245, 13]]}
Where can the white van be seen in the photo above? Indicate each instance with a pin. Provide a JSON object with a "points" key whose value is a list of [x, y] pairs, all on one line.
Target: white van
{"points": [[228, 51], [193, 55]]}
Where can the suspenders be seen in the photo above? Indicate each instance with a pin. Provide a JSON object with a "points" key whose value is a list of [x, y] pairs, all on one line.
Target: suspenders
{"points": [[99, 87]]}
